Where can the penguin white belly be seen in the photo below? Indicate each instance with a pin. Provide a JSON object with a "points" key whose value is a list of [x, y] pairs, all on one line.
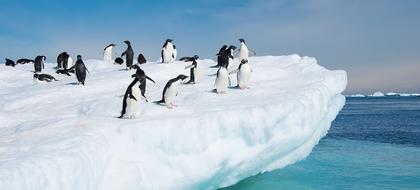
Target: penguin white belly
{"points": [[244, 75], [171, 93], [196, 74], [167, 54], [132, 109], [108, 55], [69, 62], [222, 80], [243, 53]]}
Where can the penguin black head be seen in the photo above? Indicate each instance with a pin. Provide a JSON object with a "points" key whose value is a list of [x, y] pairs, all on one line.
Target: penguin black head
{"points": [[36, 76], [241, 40], [243, 61], [127, 42], [168, 40], [182, 77], [112, 45], [232, 47], [79, 57], [195, 57]]}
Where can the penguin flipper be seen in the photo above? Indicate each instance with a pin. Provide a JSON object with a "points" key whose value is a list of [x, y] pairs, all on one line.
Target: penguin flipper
{"points": [[161, 55], [123, 54], [132, 97]]}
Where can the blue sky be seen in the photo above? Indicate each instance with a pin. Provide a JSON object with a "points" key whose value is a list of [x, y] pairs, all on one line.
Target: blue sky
{"points": [[377, 41]]}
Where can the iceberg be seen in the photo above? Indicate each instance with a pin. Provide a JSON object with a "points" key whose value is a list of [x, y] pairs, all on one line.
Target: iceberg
{"points": [[64, 136], [356, 96], [377, 94]]}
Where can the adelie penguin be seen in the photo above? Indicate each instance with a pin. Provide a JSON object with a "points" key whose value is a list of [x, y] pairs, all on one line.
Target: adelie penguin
{"points": [[80, 70], [243, 74], [194, 69], [133, 95], [243, 50], [170, 91], [141, 59], [108, 53], [224, 47], [9, 62], [141, 75], [119, 61], [62, 60], [129, 55], [39, 63], [168, 52], [24, 61], [44, 77], [222, 79]]}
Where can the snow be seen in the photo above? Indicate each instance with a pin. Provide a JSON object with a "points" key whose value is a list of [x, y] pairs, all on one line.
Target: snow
{"points": [[377, 94], [64, 136]]}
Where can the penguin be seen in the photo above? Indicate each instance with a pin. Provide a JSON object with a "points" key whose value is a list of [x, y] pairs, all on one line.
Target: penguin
{"points": [[129, 55], [142, 77], [243, 50], [222, 78], [225, 56], [9, 62], [194, 71], [80, 70], [132, 97], [44, 77], [119, 60], [141, 59], [24, 61], [243, 74], [108, 53], [62, 60], [39, 63], [168, 52], [63, 71], [170, 91], [224, 47]]}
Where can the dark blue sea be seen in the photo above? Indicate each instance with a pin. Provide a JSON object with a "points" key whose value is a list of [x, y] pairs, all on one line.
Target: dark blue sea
{"points": [[374, 143]]}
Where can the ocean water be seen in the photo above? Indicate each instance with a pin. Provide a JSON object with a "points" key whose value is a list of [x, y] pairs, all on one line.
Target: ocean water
{"points": [[374, 143]]}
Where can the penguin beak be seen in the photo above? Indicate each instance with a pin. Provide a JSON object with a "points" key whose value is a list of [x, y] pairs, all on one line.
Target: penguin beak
{"points": [[150, 79]]}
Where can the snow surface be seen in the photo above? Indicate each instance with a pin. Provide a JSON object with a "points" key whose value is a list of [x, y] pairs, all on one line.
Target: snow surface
{"points": [[64, 136]]}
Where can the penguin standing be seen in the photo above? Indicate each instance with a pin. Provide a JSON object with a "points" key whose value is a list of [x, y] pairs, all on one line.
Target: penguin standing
{"points": [[10, 62], [132, 98], [243, 50], [108, 53], [141, 59], [243, 74], [129, 55], [141, 75], [168, 52], [219, 61], [170, 91], [194, 71], [44, 77], [39, 63], [62, 60], [80, 70], [222, 79]]}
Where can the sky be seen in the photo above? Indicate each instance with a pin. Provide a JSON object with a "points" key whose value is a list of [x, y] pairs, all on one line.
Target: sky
{"points": [[377, 41]]}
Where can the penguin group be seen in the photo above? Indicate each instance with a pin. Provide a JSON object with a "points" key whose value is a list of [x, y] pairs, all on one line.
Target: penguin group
{"points": [[136, 90]]}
